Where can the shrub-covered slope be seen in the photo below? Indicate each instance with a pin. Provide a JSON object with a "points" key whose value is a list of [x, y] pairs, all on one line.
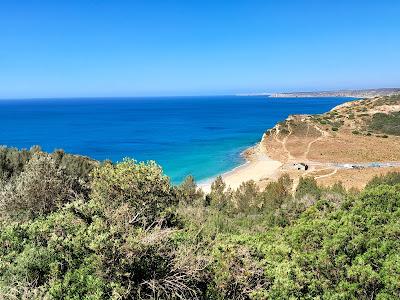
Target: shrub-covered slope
{"points": [[127, 233]]}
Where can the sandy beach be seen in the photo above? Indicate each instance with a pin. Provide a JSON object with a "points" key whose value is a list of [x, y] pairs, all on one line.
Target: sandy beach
{"points": [[258, 166]]}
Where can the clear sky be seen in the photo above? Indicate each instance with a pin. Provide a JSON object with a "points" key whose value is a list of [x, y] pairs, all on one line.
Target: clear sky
{"points": [[71, 48]]}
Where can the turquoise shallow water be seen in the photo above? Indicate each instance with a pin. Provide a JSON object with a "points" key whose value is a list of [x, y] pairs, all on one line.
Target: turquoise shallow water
{"points": [[202, 136]]}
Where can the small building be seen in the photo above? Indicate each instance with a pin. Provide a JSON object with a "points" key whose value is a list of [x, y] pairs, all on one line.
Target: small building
{"points": [[300, 166]]}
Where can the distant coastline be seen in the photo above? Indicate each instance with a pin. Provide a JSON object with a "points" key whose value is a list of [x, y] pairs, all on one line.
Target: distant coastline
{"points": [[363, 93]]}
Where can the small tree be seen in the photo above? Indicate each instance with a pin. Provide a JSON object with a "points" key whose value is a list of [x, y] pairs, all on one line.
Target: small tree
{"points": [[245, 197], [308, 191], [187, 192], [219, 196], [276, 193]]}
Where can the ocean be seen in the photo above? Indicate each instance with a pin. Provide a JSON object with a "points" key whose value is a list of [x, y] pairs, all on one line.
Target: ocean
{"points": [[201, 136]]}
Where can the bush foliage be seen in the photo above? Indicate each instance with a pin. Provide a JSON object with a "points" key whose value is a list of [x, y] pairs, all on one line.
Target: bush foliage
{"points": [[386, 123], [125, 232]]}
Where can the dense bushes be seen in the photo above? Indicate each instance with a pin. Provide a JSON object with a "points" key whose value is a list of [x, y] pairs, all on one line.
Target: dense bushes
{"points": [[328, 253], [386, 123], [389, 179], [132, 235], [124, 241], [39, 189], [12, 162]]}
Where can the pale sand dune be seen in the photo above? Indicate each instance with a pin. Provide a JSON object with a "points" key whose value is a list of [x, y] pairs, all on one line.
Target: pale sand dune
{"points": [[258, 166]]}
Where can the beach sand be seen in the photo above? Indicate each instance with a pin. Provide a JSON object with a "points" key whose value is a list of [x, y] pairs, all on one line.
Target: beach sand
{"points": [[258, 166]]}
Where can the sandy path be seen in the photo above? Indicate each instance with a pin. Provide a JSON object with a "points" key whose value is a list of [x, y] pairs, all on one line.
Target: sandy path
{"points": [[323, 135], [326, 175], [284, 141]]}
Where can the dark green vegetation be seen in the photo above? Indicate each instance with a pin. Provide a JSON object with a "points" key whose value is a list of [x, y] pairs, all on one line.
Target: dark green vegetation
{"points": [[386, 123], [124, 232], [362, 118], [380, 123], [12, 162]]}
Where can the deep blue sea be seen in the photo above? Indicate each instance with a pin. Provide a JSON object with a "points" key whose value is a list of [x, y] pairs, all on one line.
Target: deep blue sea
{"points": [[202, 136]]}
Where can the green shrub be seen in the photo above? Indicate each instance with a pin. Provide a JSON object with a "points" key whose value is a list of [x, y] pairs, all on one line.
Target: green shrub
{"points": [[140, 190], [39, 189]]}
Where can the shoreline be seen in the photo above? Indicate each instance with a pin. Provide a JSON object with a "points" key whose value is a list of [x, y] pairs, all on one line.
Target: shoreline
{"points": [[258, 166]]}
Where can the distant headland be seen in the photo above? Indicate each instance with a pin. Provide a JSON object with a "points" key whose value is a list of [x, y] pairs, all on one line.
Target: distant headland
{"points": [[363, 93]]}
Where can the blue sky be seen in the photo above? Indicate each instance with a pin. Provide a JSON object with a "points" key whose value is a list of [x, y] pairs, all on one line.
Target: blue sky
{"points": [[71, 48]]}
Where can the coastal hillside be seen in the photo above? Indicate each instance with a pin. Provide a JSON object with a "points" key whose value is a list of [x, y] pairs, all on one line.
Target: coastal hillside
{"points": [[351, 143]]}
